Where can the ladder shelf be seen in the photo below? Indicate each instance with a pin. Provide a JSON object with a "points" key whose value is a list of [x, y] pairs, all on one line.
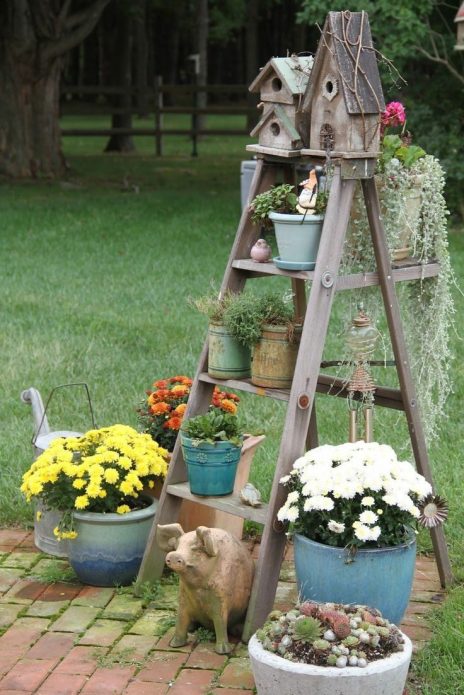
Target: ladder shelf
{"points": [[300, 427]]}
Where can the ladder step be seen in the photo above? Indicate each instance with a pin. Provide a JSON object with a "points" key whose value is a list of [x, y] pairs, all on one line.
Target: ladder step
{"points": [[230, 504], [409, 270], [246, 385]]}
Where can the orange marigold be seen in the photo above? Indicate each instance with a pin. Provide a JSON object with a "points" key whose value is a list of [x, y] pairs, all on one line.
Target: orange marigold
{"points": [[159, 408], [228, 406], [180, 390], [173, 423], [161, 384], [180, 410]]}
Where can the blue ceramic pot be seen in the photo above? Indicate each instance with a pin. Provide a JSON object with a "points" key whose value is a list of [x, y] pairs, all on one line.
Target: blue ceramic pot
{"points": [[109, 548], [377, 577], [211, 467]]}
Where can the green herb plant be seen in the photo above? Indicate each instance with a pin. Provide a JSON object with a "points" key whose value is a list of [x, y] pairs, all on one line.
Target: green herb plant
{"points": [[213, 427]]}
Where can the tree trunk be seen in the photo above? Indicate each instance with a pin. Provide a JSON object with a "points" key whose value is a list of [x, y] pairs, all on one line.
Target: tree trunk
{"points": [[141, 58], [34, 36], [251, 52], [202, 50], [29, 110]]}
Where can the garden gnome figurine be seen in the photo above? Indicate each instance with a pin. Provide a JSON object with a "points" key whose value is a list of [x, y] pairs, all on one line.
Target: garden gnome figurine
{"points": [[308, 196], [261, 251]]}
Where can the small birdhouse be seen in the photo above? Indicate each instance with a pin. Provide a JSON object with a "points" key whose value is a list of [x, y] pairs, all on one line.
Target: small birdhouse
{"points": [[344, 97], [459, 19], [281, 85]]}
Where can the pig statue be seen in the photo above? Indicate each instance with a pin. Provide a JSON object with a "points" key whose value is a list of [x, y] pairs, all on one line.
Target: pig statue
{"points": [[216, 573]]}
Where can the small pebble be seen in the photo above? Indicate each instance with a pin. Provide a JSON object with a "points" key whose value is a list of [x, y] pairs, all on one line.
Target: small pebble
{"points": [[364, 637], [286, 641], [329, 635], [341, 662], [362, 663], [353, 661]]}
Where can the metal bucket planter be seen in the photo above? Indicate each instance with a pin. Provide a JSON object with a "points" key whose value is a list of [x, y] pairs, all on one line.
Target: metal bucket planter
{"points": [[45, 520], [109, 547], [211, 467], [275, 675], [377, 577], [227, 358], [274, 357], [298, 238]]}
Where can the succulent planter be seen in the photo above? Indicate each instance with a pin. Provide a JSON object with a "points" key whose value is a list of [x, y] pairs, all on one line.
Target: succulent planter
{"points": [[109, 547], [275, 675], [377, 577]]}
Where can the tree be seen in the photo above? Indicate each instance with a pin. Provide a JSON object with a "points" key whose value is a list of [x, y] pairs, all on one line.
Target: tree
{"points": [[34, 37]]}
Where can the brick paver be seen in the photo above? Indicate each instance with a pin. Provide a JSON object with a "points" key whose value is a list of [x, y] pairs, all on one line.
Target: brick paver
{"points": [[67, 639]]}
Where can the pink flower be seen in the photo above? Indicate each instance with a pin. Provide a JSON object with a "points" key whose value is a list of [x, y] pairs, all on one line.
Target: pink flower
{"points": [[394, 114]]}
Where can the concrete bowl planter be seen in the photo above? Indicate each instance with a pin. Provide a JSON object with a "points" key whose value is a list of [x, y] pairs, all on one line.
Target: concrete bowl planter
{"points": [[275, 675]]}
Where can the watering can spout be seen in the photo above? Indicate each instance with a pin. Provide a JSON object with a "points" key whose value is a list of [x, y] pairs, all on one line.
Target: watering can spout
{"points": [[34, 399]]}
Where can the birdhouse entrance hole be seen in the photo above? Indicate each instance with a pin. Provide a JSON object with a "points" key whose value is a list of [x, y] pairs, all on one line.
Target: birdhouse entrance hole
{"points": [[276, 84], [275, 129]]}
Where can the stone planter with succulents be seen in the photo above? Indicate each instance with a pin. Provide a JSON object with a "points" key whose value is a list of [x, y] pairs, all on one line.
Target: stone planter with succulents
{"points": [[329, 649]]}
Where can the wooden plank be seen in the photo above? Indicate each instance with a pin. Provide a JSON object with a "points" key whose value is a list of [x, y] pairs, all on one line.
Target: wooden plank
{"points": [[305, 152], [411, 406], [230, 504], [247, 386], [384, 396], [259, 149]]}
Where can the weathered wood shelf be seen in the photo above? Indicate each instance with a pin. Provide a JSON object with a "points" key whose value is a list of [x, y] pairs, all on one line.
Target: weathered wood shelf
{"points": [[230, 504], [408, 270]]}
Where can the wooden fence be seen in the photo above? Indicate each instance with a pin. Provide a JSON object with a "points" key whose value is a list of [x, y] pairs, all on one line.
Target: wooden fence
{"points": [[89, 103]]}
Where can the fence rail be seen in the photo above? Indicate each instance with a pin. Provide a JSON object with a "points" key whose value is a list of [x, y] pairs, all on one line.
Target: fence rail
{"points": [[154, 105]]}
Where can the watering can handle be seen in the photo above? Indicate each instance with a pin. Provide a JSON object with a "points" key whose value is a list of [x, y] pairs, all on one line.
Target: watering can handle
{"points": [[61, 386]]}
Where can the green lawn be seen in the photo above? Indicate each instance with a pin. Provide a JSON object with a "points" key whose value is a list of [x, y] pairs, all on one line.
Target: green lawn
{"points": [[96, 274]]}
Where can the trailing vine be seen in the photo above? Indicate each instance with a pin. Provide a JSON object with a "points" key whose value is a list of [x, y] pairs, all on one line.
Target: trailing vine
{"points": [[426, 304]]}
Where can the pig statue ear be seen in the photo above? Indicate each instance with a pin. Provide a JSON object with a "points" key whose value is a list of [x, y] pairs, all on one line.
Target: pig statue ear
{"points": [[205, 536], [167, 536]]}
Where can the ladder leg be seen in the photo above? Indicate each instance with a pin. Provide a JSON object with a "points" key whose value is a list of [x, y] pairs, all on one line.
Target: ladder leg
{"points": [[410, 403], [304, 384]]}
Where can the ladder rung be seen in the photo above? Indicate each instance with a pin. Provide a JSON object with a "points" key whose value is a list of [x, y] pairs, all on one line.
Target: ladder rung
{"points": [[229, 503], [246, 385], [413, 271]]}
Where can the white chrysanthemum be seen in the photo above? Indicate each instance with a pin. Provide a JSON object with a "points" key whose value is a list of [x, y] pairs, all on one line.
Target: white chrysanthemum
{"points": [[362, 532], [292, 497], [335, 526], [368, 517], [284, 479], [374, 533], [318, 502], [367, 501], [287, 513]]}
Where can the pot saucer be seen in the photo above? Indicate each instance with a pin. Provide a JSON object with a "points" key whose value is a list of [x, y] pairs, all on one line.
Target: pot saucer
{"points": [[293, 265]]}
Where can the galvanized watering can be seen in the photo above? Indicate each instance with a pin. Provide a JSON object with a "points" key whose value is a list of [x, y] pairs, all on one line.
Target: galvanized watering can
{"points": [[46, 520]]}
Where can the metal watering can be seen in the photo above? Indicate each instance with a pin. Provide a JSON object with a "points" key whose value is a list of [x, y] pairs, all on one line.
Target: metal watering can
{"points": [[47, 520]]}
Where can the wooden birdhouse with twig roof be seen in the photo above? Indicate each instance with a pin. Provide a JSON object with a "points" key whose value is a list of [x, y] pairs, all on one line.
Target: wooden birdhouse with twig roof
{"points": [[344, 98], [281, 85]]}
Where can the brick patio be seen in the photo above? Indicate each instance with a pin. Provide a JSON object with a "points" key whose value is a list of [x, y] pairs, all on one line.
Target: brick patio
{"points": [[65, 639]]}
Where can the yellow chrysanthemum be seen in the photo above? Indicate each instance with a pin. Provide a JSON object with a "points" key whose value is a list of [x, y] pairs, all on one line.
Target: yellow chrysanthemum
{"points": [[123, 509], [81, 502], [111, 475], [126, 488], [78, 483]]}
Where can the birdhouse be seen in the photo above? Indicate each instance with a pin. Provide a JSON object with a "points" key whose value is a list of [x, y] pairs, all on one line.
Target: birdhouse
{"points": [[281, 85], [459, 19], [344, 99]]}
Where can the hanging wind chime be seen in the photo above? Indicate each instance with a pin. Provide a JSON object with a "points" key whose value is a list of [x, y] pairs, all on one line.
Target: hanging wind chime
{"points": [[361, 340]]}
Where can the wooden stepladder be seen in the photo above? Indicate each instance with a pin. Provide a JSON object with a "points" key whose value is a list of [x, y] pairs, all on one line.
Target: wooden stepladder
{"points": [[300, 428]]}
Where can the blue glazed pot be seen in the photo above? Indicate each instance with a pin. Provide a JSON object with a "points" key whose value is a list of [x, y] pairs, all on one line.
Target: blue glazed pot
{"points": [[211, 467], [109, 548], [378, 577]]}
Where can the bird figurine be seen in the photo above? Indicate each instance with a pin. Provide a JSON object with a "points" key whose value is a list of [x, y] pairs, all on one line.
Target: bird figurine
{"points": [[261, 251], [308, 196]]}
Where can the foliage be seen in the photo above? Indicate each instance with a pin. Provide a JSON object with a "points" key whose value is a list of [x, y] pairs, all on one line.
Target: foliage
{"points": [[352, 635], [55, 571], [105, 470], [162, 411], [392, 146], [211, 427], [246, 316], [277, 199], [353, 495]]}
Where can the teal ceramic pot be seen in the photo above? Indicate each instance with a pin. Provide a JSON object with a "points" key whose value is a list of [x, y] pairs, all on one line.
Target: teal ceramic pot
{"points": [[297, 236], [109, 548], [377, 577], [227, 358], [211, 467]]}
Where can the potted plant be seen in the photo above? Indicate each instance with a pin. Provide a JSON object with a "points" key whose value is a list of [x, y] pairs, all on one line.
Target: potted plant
{"points": [[163, 408], [354, 510], [297, 229], [329, 649], [211, 446], [96, 481], [228, 358], [266, 324]]}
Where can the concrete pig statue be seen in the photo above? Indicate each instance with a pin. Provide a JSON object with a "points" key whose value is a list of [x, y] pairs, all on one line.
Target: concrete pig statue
{"points": [[216, 573]]}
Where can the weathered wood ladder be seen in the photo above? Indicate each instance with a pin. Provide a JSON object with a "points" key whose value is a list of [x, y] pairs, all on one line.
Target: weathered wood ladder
{"points": [[300, 428]]}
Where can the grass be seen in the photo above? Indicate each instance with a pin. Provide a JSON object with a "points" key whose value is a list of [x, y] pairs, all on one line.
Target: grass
{"points": [[97, 270]]}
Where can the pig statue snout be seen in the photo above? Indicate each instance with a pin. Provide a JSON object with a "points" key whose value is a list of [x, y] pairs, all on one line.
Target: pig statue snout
{"points": [[215, 578]]}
